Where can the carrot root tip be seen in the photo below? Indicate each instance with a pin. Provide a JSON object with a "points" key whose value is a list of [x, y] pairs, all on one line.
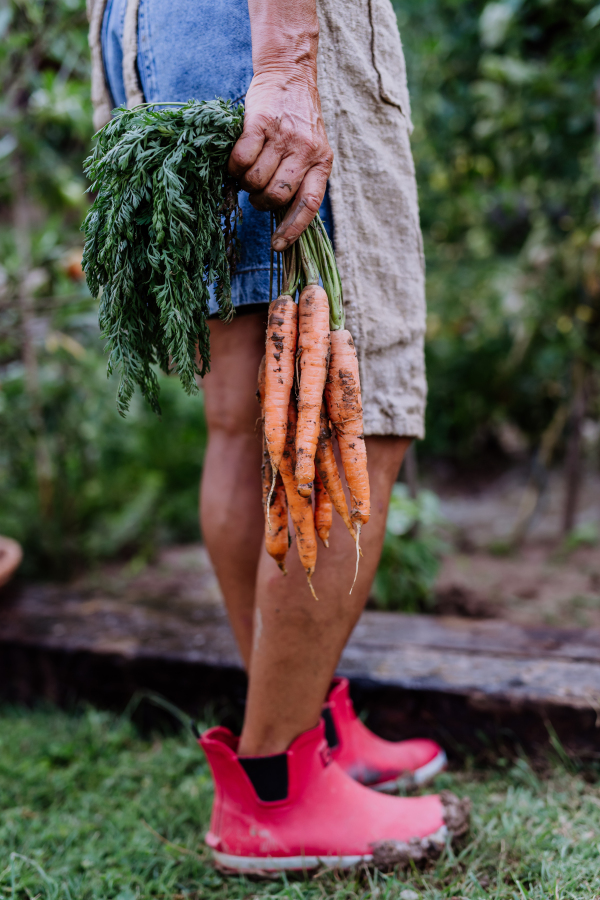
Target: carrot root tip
{"points": [[310, 584], [305, 490], [270, 496], [358, 555], [282, 567]]}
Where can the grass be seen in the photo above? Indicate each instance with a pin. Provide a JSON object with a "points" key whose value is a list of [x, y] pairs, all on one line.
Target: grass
{"points": [[90, 809]]}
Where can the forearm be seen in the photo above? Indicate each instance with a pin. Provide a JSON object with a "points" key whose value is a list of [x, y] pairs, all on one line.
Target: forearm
{"points": [[285, 35]]}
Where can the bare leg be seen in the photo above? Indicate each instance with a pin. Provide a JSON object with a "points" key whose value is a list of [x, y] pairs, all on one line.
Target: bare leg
{"points": [[297, 640], [230, 494]]}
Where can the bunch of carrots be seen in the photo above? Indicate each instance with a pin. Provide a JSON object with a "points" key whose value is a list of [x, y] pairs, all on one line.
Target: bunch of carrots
{"points": [[309, 390]]}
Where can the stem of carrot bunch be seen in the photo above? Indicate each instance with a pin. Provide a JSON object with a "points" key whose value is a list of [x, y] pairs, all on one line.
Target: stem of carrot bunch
{"points": [[314, 259], [290, 261], [310, 257], [330, 275], [291, 271]]}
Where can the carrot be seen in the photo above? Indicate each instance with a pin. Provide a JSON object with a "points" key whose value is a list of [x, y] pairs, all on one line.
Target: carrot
{"points": [[323, 510], [344, 405], [300, 508], [282, 332], [313, 352], [277, 539], [328, 471]]}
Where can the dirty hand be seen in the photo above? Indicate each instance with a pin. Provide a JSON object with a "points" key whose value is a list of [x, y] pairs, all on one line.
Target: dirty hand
{"points": [[283, 151]]}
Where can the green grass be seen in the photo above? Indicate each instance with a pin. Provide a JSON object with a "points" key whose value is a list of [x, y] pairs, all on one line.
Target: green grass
{"points": [[89, 809]]}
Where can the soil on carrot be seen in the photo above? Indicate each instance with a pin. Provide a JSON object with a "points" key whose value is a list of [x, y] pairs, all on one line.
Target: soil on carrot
{"points": [[90, 810]]}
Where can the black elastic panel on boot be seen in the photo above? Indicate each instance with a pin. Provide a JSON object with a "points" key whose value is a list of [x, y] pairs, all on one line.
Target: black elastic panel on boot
{"points": [[331, 735], [268, 774]]}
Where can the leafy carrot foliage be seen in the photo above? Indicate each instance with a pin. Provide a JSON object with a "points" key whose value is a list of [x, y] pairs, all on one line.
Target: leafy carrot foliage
{"points": [[159, 233]]}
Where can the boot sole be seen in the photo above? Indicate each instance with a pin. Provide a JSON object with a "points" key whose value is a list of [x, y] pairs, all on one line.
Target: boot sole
{"points": [[269, 865], [414, 779]]}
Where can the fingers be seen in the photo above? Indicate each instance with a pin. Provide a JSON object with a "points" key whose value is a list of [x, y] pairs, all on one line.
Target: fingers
{"points": [[247, 148], [284, 182], [304, 208], [279, 161], [262, 171], [283, 155]]}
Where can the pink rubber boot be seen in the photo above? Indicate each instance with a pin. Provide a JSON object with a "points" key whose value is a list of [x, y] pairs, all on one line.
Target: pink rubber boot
{"points": [[299, 810], [382, 765]]}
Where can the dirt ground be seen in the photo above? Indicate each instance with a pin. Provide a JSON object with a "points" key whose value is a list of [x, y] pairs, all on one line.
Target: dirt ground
{"points": [[542, 582], [483, 508], [538, 585]]}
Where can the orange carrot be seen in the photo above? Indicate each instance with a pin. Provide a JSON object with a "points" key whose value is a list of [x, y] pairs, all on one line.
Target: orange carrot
{"points": [[323, 510], [277, 537], [282, 332], [300, 508], [344, 405], [313, 352], [328, 471]]}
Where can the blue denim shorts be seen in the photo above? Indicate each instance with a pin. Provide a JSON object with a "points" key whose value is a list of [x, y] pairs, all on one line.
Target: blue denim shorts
{"points": [[199, 49]]}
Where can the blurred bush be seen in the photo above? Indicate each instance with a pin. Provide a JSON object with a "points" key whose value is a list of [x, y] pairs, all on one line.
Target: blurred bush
{"points": [[411, 554], [107, 487], [77, 483], [504, 100]]}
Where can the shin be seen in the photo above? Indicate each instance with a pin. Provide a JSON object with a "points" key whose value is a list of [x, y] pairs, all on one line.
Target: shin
{"points": [[297, 640]]}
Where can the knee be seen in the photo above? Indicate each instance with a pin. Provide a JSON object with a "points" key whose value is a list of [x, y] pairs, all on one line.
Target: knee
{"points": [[232, 415]]}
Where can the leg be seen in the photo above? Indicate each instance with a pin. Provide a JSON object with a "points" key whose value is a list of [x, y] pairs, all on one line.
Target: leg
{"points": [[321, 813], [230, 494], [297, 640]]}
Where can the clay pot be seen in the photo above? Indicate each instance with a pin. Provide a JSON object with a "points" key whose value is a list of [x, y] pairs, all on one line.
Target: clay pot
{"points": [[11, 555]]}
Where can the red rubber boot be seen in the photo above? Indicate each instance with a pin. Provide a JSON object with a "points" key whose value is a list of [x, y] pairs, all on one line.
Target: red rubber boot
{"points": [[299, 809], [382, 765]]}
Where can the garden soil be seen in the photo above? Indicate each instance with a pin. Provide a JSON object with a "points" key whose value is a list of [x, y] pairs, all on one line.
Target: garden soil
{"points": [[542, 581]]}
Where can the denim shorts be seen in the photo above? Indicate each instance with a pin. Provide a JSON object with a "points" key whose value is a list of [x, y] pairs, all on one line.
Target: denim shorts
{"points": [[199, 49]]}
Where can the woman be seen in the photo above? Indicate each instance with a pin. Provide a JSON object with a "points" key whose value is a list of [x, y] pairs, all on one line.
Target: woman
{"points": [[311, 78]]}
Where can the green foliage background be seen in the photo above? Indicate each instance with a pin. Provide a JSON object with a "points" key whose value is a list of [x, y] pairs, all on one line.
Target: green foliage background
{"points": [[504, 105], [77, 484], [504, 98]]}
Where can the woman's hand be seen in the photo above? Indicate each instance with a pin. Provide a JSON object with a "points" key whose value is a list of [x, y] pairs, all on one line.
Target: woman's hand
{"points": [[283, 151]]}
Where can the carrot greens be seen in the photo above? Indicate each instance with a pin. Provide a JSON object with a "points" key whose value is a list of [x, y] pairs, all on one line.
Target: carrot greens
{"points": [[160, 232], [160, 235]]}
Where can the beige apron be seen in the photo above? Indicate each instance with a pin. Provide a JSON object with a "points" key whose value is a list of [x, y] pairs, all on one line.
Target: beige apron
{"points": [[379, 249]]}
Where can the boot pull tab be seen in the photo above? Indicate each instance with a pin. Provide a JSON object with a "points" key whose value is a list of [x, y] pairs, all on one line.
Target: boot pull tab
{"points": [[325, 754]]}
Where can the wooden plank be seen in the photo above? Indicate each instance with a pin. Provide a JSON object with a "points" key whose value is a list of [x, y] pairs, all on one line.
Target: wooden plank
{"points": [[479, 659], [482, 659], [478, 687], [490, 636], [178, 630]]}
